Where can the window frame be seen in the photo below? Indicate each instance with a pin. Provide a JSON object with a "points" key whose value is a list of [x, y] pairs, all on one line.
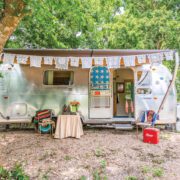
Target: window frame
{"points": [[63, 86]]}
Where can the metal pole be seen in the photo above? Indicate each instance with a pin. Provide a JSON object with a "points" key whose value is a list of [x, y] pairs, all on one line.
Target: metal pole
{"points": [[171, 82]]}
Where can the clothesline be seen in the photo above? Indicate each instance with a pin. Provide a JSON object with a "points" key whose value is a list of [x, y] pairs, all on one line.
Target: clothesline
{"points": [[87, 62]]}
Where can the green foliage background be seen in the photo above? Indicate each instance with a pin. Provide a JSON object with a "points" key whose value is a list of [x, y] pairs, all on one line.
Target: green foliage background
{"points": [[124, 24]]}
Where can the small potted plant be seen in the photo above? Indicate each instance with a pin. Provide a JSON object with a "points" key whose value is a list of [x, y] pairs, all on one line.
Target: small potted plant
{"points": [[74, 105]]}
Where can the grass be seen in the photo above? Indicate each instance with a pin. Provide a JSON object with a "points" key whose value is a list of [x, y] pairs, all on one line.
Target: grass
{"points": [[158, 172], [99, 153], [100, 173], [158, 161], [16, 172], [131, 178], [67, 158], [146, 169], [103, 164], [83, 178]]}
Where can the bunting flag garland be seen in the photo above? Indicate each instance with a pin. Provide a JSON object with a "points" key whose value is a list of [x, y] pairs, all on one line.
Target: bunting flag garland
{"points": [[98, 61], [169, 55], [129, 61], [153, 58], [35, 61], [157, 57], [48, 60], [113, 62], [21, 59], [8, 58], [62, 62], [86, 62], [141, 59], [74, 61]]}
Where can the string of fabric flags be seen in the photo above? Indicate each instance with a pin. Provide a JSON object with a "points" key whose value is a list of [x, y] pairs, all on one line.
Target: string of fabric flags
{"points": [[63, 62]]}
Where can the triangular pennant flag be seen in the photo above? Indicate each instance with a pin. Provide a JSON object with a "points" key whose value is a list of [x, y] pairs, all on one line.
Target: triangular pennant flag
{"points": [[62, 62], [74, 61], [86, 62], [113, 62], [129, 61], [35, 61], [8, 58], [98, 61], [48, 60], [21, 59], [169, 55]]}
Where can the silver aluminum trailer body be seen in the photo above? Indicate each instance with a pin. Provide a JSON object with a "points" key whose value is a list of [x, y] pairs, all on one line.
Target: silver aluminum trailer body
{"points": [[22, 93]]}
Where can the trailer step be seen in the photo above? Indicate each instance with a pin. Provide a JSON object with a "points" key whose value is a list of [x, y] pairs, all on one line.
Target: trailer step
{"points": [[123, 126], [112, 126], [109, 121]]}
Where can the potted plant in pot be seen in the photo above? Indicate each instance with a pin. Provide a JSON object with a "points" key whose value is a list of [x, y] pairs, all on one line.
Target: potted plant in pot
{"points": [[74, 105]]}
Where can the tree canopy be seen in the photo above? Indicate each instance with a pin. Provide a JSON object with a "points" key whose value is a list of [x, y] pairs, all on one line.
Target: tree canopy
{"points": [[143, 24]]}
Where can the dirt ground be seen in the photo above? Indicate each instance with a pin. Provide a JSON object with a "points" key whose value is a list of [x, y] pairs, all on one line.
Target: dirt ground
{"points": [[104, 154]]}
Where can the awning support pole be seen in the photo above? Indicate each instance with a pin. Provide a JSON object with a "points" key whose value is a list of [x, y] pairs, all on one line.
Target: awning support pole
{"points": [[171, 82]]}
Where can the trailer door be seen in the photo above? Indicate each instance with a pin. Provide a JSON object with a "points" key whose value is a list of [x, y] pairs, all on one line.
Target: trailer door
{"points": [[100, 97]]}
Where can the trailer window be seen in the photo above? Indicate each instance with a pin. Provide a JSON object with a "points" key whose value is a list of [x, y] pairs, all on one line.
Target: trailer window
{"points": [[52, 77], [100, 102]]}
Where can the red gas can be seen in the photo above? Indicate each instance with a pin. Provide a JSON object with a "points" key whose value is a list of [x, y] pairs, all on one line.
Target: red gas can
{"points": [[151, 135]]}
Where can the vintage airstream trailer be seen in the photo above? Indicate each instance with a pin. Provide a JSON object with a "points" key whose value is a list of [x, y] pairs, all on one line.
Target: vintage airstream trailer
{"points": [[108, 96]]}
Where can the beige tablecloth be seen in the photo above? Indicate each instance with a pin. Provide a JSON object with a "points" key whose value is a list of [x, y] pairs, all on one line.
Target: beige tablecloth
{"points": [[68, 126]]}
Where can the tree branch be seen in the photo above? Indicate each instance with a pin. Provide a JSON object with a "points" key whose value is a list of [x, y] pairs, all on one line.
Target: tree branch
{"points": [[13, 13]]}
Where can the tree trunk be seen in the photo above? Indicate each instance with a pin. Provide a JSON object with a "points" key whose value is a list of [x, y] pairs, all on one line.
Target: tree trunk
{"points": [[13, 14]]}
